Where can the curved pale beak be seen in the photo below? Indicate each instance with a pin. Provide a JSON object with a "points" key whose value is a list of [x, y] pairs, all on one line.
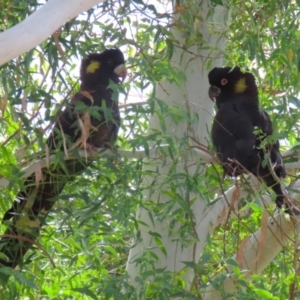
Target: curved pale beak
{"points": [[213, 92], [121, 71]]}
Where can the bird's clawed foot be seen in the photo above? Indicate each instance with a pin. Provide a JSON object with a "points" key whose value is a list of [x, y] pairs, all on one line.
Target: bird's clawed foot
{"points": [[289, 204], [89, 148]]}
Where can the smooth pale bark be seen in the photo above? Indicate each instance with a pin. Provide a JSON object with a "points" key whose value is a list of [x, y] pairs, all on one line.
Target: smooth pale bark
{"points": [[190, 96], [256, 253], [39, 26], [259, 249], [152, 154]]}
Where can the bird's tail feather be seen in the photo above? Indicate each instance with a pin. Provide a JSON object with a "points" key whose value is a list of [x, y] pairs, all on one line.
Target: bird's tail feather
{"points": [[29, 212]]}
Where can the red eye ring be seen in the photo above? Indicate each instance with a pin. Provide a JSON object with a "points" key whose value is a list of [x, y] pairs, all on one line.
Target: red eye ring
{"points": [[224, 81]]}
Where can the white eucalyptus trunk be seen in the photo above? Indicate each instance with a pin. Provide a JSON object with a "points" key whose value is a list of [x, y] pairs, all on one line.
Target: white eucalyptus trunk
{"points": [[192, 97], [258, 250]]}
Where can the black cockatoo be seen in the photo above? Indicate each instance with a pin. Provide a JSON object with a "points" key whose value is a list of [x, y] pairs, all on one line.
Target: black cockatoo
{"points": [[240, 128], [90, 120]]}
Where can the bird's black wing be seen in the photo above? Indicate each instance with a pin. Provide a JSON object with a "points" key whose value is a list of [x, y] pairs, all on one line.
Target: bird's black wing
{"points": [[240, 147], [64, 133], [272, 148], [238, 132], [233, 134], [96, 112], [35, 201]]}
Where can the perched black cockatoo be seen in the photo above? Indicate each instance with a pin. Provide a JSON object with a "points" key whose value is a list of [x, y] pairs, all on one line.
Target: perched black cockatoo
{"points": [[240, 128], [90, 120]]}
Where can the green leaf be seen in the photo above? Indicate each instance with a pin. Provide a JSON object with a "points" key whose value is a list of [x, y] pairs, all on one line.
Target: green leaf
{"points": [[85, 291]]}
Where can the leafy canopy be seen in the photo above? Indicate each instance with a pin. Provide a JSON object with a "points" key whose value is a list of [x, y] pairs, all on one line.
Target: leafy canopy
{"points": [[88, 233]]}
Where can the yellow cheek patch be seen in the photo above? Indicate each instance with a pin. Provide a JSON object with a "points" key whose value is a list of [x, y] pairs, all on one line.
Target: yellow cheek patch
{"points": [[93, 66], [240, 86]]}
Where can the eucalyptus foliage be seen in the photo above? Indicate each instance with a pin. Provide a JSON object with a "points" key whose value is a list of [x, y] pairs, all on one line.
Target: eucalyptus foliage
{"points": [[84, 244]]}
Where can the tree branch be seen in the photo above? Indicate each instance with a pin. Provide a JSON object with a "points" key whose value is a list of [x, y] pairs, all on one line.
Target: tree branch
{"points": [[135, 154], [256, 253], [39, 25], [198, 155]]}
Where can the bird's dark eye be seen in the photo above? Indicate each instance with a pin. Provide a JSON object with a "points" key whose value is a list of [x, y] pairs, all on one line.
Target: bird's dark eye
{"points": [[224, 81], [110, 62]]}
